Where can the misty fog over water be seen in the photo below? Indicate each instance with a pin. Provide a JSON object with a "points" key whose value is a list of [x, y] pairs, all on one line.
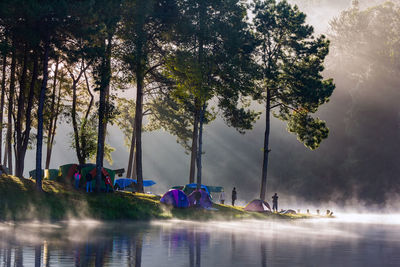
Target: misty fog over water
{"points": [[359, 163], [349, 240]]}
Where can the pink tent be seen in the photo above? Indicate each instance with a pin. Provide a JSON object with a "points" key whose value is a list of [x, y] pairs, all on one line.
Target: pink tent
{"points": [[258, 205]]}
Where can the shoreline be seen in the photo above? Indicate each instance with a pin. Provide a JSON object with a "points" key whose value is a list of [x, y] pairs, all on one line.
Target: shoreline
{"points": [[19, 201]]}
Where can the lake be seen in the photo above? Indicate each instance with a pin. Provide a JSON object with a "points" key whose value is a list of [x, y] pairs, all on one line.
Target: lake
{"points": [[348, 240]]}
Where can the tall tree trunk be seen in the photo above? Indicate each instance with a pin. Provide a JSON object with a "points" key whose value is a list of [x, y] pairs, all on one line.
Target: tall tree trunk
{"points": [[131, 153], [5, 158], [10, 109], [138, 129], [85, 119], [28, 112], [51, 117], [200, 150], [78, 150], [40, 116], [134, 175], [18, 123], [105, 83], [194, 147], [266, 146], [3, 92], [202, 13], [55, 123]]}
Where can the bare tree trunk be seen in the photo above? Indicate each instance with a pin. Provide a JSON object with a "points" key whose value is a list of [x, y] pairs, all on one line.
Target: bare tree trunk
{"points": [[40, 116], [55, 124], [75, 124], [134, 175], [5, 158], [86, 118], [266, 146], [3, 92], [51, 119], [200, 150], [202, 13], [10, 110], [18, 123], [105, 83], [194, 147], [79, 147], [138, 129], [28, 112], [131, 154]]}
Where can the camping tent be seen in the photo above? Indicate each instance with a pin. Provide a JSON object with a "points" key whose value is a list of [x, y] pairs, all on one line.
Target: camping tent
{"points": [[93, 171], [50, 174], [66, 172], [189, 188], [205, 200], [258, 205], [124, 182], [176, 198]]}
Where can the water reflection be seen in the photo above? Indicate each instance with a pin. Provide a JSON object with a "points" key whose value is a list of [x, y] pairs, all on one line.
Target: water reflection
{"points": [[200, 244]]}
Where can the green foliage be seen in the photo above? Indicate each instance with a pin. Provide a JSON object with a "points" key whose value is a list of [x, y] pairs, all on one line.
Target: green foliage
{"points": [[310, 131], [172, 116], [291, 61], [212, 60], [125, 119]]}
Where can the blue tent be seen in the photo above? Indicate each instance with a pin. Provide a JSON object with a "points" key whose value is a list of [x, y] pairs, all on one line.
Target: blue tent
{"points": [[189, 188], [176, 198], [124, 182]]}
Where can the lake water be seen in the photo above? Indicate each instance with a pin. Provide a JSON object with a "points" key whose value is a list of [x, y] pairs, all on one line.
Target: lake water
{"points": [[362, 240]]}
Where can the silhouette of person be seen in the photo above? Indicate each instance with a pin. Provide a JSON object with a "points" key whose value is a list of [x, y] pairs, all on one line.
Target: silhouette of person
{"points": [[275, 202], [234, 196]]}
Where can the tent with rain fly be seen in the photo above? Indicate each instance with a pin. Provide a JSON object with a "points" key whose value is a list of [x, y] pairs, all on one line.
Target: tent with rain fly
{"points": [[91, 169], [258, 205], [122, 183], [67, 171], [205, 200], [176, 198], [50, 174], [189, 188]]}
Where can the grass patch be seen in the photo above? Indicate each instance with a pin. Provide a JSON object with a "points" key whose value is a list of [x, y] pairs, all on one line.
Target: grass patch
{"points": [[19, 200]]}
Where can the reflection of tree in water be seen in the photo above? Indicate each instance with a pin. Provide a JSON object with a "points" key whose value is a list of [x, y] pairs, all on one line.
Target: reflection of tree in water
{"points": [[233, 246], [189, 238], [76, 246], [135, 245], [19, 257], [195, 242], [38, 255], [263, 253]]}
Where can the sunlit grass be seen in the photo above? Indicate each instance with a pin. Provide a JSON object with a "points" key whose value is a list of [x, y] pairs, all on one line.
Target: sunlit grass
{"points": [[19, 200]]}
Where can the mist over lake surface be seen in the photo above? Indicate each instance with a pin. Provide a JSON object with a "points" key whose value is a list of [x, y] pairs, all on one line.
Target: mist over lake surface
{"points": [[348, 240]]}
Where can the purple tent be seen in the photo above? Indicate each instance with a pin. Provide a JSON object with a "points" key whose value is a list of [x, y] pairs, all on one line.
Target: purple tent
{"points": [[176, 198], [205, 200]]}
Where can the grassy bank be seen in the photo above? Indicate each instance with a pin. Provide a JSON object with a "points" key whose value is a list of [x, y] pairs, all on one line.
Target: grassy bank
{"points": [[20, 201]]}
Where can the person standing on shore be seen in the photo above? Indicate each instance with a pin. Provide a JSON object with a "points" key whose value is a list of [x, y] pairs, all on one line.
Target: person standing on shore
{"points": [[222, 197], [77, 177], [89, 179], [275, 202], [234, 196]]}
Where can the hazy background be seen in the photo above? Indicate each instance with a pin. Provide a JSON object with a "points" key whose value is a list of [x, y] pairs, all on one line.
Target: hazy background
{"points": [[359, 162]]}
